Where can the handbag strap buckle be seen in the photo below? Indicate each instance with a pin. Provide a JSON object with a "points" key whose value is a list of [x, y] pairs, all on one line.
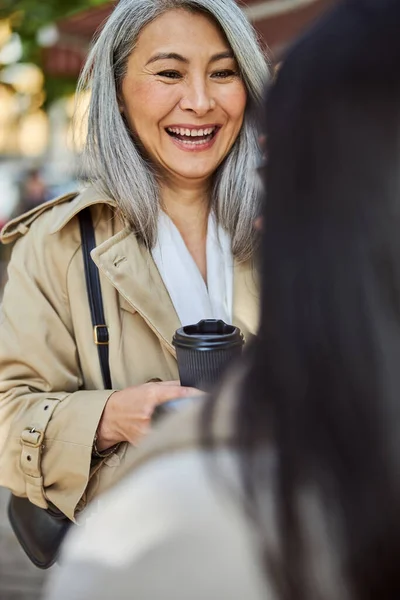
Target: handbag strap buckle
{"points": [[100, 335]]}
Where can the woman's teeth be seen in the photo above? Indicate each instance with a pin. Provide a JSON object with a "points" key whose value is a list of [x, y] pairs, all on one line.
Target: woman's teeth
{"points": [[192, 137], [180, 131]]}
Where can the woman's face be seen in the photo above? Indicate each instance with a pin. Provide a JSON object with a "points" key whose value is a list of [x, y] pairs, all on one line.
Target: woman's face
{"points": [[182, 95]]}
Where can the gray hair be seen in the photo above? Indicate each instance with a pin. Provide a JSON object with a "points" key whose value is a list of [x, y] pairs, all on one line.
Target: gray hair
{"points": [[110, 157]]}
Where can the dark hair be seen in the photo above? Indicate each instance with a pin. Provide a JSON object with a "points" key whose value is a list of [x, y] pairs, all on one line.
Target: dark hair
{"points": [[323, 381]]}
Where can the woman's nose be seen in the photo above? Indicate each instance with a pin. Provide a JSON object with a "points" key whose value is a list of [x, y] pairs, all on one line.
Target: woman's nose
{"points": [[197, 98]]}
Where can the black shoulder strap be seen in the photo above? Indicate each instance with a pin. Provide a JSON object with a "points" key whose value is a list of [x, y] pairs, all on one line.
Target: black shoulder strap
{"points": [[100, 329]]}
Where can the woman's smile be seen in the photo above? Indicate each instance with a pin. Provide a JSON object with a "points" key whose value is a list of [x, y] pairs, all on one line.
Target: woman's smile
{"points": [[193, 139]]}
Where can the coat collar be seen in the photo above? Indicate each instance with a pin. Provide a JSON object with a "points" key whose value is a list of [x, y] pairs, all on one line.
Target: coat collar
{"points": [[132, 271], [69, 210], [67, 205]]}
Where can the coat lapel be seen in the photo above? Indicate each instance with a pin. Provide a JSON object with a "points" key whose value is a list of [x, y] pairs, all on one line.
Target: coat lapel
{"points": [[246, 298], [131, 269]]}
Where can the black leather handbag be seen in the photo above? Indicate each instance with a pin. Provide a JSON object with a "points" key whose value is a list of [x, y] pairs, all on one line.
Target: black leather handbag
{"points": [[40, 531]]}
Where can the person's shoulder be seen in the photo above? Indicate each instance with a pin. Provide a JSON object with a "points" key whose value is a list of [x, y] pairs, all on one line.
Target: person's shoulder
{"points": [[182, 516], [52, 216], [21, 224]]}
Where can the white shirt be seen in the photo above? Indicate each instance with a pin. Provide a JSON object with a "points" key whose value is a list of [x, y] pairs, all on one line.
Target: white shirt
{"points": [[192, 298]]}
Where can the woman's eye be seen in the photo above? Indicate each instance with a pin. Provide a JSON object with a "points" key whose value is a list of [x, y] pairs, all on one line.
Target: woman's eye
{"points": [[170, 74], [225, 74]]}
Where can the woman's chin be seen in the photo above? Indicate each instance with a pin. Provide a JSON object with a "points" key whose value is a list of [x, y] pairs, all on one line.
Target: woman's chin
{"points": [[191, 174], [195, 177]]}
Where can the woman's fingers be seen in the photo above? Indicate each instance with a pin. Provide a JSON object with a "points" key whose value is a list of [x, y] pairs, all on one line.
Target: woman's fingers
{"points": [[172, 392], [128, 412], [189, 392]]}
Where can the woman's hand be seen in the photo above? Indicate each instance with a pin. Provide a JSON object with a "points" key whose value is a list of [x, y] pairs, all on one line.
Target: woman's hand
{"points": [[127, 414]]}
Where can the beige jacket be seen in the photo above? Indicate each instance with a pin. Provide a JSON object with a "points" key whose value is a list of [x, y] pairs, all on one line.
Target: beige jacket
{"points": [[51, 396]]}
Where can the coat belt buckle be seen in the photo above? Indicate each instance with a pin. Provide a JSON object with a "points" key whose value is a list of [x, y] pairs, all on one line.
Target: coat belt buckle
{"points": [[32, 438]]}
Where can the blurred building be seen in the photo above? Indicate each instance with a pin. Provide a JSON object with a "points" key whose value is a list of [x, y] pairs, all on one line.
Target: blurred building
{"points": [[278, 21], [281, 21]]}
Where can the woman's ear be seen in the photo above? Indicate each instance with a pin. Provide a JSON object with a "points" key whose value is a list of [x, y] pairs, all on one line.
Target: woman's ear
{"points": [[258, 224], [120, 104]]}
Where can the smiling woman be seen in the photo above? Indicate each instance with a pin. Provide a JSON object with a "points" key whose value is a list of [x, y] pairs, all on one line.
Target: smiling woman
{"points": [[170, 153], [189, 98], [185, 65]]}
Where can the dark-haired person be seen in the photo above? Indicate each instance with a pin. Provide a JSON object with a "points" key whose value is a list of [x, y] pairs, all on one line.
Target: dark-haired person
{"points": [[287, 485]]}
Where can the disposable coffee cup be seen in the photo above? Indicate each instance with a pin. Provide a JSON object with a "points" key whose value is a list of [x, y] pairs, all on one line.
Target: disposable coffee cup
{"points": [[205, 350]]}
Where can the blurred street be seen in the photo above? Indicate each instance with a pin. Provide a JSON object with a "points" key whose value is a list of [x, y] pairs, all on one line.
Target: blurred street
{"points": [[19, 579]]}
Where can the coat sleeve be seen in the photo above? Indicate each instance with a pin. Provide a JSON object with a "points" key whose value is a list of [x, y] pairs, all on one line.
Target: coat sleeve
{"points": [[47, 423]]}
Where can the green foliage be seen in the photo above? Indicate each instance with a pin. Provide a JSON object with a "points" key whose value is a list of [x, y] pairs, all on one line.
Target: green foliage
{"points": [[28, 16], [57, 87]]}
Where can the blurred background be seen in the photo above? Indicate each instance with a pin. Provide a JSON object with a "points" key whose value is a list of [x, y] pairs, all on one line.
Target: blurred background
{"points": [[42, 48]]}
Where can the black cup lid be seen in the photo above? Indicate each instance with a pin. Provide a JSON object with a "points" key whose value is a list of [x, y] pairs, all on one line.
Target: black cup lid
{"points": [[206, 334]]}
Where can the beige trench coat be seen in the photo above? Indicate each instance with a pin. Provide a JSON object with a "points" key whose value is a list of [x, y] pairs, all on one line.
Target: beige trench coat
{"points": [[51, 396]]}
